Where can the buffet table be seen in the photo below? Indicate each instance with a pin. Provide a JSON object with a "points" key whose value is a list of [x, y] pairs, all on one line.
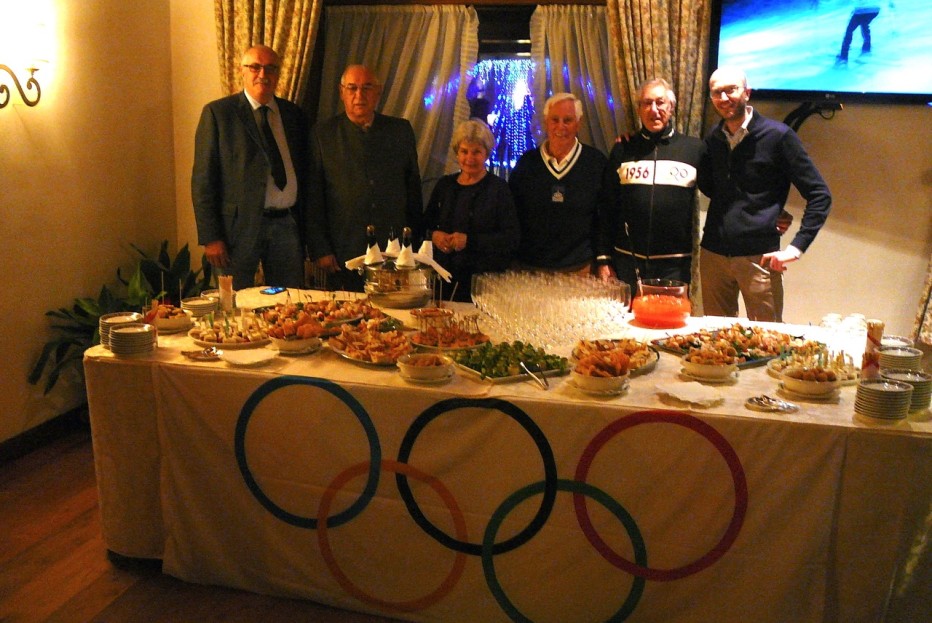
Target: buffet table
{"points": [[315, 477]]}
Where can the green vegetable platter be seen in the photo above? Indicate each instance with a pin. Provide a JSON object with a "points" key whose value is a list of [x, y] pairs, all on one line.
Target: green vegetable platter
{"points": [[501, 363]]}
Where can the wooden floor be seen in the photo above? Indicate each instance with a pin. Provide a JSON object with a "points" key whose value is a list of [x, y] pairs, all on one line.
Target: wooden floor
{"points": [[54, 564]]}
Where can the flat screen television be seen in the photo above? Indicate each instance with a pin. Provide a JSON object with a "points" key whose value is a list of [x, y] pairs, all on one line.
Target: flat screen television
{"points": [[794, 49]]}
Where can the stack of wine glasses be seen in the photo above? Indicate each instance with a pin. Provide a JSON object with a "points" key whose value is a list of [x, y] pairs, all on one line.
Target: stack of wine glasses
{"points": [[549, 309]]}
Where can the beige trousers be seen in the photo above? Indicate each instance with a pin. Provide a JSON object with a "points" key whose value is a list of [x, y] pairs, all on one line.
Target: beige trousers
{"points": [[723, 277]]}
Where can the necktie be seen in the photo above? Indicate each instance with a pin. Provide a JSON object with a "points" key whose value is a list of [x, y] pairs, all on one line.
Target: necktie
{"points": [[271, 149]]}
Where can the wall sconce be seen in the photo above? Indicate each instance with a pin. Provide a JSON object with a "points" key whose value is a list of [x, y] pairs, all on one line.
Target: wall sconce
{"points": [[32, 83]]}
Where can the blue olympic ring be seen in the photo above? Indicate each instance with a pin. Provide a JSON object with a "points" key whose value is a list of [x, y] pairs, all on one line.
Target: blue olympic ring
{"points": [[537, 436], [375, 450], [577, 488]]}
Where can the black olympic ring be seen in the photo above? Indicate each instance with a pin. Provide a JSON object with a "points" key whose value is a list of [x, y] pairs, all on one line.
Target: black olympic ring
{"points": [[375, 450], [537, 436], [678, 173], [576, 488]]}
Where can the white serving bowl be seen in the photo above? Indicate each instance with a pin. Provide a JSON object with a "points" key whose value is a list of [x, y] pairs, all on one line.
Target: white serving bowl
{"points": [[706, 370], [598, 384], [174, 323], [807, 388], [425, 366], [295, 345]]}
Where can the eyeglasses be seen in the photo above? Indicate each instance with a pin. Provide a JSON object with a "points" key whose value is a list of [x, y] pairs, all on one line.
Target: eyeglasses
{"points": [[269, 69], [355, 88], [659, 102], [730, 90]]}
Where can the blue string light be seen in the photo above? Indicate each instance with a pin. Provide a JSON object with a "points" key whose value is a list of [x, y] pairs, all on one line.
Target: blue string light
{"points": [[503, 86]]}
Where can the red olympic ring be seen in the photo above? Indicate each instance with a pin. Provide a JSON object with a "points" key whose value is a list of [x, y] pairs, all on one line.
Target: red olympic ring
{"points": [[720, 444], [459, 523]]}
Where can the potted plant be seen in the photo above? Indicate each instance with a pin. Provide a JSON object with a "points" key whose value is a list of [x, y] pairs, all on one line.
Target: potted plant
{"points": [[79, 326]]}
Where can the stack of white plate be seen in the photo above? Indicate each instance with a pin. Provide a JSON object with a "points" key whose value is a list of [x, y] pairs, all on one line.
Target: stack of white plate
{"points": [[200, 305], [895, 340], [921, 382], [107, 322], [133, 339], [901, 358], [883, 400]]}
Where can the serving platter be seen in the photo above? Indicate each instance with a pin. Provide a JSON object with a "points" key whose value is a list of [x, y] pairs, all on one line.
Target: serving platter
{"points": [[424, 339], [368, 363], [174, 330], [299, 352], [610, 393], [775, 369], [448, 349], [438, 381], [723, 380], [831, 396], [497, 380], [315, 309], [229, 345], [756, 345], [752, 362]]}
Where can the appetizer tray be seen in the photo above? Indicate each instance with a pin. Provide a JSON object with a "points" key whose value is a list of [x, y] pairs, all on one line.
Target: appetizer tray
{"points": [[749, 362], [364, 362], [756, 345], [228, 345]]}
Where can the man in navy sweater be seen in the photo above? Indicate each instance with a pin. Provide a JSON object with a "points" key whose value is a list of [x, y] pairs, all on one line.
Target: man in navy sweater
{"points": [[557, 189], [749, 164]]}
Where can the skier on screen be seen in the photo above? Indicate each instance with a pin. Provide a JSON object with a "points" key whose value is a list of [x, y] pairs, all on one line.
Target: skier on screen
{"points": [[864, 13]]}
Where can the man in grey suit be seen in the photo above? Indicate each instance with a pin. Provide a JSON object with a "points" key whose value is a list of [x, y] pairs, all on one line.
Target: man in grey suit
{"points": [[248, 180], [364, 172]]}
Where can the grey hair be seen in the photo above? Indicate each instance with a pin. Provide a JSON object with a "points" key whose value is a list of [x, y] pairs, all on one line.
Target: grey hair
{"points": [[653, 82], [556, 98], [473, 131]]}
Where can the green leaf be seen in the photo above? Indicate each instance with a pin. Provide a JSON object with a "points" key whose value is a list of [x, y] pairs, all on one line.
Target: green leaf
{"points": [[139, 292]]}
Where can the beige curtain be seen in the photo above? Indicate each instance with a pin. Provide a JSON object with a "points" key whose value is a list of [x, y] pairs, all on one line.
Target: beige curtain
{"points": [[422, 54], [660, 39], [922, 329], [571, 51], [287, 26]]}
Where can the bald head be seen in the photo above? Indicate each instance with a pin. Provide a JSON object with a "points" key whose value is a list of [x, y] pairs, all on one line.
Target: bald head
{"points": [[729, 90], [261, 66], [731, 75]]}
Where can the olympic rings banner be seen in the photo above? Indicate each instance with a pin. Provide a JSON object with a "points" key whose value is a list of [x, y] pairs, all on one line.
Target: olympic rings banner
{"points": [[418, 506]]}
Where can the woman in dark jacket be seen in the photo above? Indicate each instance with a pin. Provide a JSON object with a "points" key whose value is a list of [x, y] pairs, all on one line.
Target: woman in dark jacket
{"points": [[471, 216]]}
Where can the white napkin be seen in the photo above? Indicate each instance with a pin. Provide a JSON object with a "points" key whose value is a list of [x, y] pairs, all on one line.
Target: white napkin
{"points": [[359, 262], [405, 257], [691, 392], [393, 248], [356, 263], [373, 256], [427, 249], [430, 261]]}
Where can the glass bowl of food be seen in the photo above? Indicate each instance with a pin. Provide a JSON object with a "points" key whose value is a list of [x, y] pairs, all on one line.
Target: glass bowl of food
{"points": [[662, 303]]}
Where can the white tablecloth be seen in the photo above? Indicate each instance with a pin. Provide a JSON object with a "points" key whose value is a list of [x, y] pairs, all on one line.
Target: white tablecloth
{"points": [[320, 478]]}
